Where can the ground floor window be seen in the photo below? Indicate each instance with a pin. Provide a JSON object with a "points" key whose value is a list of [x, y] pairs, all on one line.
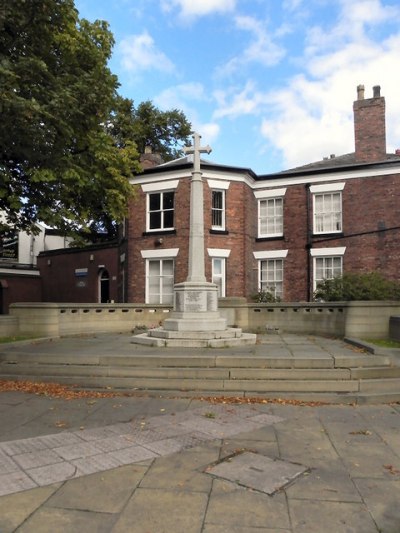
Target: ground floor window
{"points": [[160, 281], [218, 275], [270, 278], [327, 263], [327, 268]]}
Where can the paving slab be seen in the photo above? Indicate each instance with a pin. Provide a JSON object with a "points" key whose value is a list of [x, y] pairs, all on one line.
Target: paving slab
{"points": [[49, 520], [382, 499], [16, 508], [163, 511], [256, 471], [247, 509], [328, 516], [104, 492]]}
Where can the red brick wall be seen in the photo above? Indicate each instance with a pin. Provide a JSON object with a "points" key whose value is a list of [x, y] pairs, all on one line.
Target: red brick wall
{"points": [[14, 288], [60, 282]]}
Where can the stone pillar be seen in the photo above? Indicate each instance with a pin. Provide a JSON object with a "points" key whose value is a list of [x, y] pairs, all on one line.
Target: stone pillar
{"points": [[196, 300]]}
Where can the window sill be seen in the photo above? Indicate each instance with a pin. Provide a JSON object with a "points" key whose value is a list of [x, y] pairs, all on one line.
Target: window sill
{"points": [[328, 235], [159, 232], [276, 238], [219, 232]]}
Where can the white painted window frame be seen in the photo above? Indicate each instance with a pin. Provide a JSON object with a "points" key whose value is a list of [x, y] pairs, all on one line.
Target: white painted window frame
{"points": [[324, 254], [270, 255], [148, 255], [268, 196], [325, 190]]}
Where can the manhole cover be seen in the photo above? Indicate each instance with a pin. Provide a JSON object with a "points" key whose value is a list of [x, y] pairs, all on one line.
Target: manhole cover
{"points": [[257, 471]]}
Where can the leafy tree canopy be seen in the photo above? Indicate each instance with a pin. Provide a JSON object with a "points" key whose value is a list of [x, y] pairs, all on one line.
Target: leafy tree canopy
{"points": [[68, 141]]}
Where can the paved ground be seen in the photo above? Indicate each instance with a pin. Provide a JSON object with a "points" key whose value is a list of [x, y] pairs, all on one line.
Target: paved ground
{"points": [[153, 465]]}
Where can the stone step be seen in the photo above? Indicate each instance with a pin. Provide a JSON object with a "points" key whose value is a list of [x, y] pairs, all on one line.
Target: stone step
{"points": [[223, 341], [330, 391], [204, 360], [380, 385], [203, 384], [375, 372], [114, 371], [42, 369]]}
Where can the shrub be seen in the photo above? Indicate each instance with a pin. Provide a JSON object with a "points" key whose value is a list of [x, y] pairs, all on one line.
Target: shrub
{"points": [[265, 297], [352, 286]]}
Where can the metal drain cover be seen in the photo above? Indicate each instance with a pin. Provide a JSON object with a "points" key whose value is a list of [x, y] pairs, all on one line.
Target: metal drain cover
{"points": [[257, 471]]}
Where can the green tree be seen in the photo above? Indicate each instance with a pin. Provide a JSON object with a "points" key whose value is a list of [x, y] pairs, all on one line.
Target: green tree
{"points": [[59, 164], [166, 132]]}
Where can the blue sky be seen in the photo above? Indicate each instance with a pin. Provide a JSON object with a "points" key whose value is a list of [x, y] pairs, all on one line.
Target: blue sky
{"points": [[268, 84]]}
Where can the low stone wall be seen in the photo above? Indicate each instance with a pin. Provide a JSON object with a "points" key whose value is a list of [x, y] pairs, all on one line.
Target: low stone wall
{"points": [[368, 320], [394, 328], [9, 326], [67, 319]]}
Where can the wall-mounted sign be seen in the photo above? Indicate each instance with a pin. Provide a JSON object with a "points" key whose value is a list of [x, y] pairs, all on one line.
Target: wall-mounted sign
{"points": [[79, 272], [9, 245]]}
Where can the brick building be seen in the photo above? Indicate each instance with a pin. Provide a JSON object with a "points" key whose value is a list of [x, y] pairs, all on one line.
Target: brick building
{"points": [[280, 233], [20, 279]]}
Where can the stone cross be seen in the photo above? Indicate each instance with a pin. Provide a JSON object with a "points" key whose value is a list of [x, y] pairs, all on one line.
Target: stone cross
{"points": [[196, 232]]}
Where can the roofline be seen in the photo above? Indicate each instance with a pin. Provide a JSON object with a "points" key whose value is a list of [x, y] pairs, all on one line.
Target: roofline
{"points": [[328, 170], [187, 166], [302, 171], [83, 249]]}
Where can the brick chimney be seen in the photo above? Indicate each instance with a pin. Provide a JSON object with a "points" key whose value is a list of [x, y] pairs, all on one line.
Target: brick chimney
{"points": [[150, 160], [369, 126]]}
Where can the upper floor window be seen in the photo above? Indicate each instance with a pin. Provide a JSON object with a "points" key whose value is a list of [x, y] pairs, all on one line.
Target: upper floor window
{"points": [[160, 210], [160, 200], [218, 203], [270, 217], [327, 200], [270, 212], [218, 210]]}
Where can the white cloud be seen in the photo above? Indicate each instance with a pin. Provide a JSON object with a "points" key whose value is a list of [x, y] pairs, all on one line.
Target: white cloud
{"points": [[178, 95], [209, 131], [198, 8], [139, 53], [312, 117], [187, 97], [233, 104], [262, 50]]}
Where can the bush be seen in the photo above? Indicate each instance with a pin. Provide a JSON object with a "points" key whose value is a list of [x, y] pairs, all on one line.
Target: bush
{"points": [[366, 286], [265, 297]]}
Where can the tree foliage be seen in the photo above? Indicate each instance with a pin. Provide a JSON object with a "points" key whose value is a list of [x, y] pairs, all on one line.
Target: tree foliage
{"points": [[358, 286], [59, 164]]}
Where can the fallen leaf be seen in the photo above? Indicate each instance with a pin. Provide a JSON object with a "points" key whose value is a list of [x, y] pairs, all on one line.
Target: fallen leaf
{"points": [[361, 432], [392, 469]]}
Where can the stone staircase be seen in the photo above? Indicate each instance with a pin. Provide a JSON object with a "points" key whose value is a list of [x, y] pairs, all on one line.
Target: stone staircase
{"points": [[358, 378]]}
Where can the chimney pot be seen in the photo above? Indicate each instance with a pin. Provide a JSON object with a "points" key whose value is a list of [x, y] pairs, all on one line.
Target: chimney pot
{"points": [[360, 92], [377, 91]]}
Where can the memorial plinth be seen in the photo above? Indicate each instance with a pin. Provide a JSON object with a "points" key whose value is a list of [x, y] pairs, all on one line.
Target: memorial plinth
{"points": [[195, 308]]}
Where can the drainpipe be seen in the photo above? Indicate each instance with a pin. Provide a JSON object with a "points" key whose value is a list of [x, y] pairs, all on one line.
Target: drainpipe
{"points": [[309, 243]]}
